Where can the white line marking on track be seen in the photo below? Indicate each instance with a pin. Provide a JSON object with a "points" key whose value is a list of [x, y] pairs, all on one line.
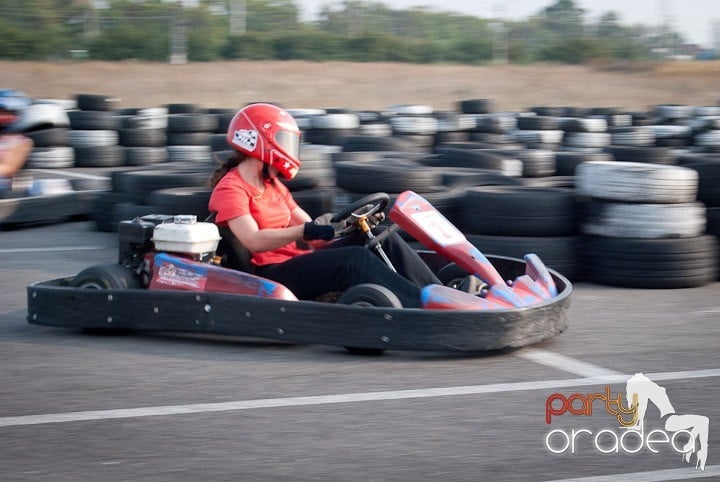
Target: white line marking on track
{"points": [[79, 175], [564, 363], [341, 398], [653, 476], [48, 250]]}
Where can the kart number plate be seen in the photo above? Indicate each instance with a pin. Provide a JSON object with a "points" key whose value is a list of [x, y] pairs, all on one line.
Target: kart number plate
{"points": [[440, 230]]}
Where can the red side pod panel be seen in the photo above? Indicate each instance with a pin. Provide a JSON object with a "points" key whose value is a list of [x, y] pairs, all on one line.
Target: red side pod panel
{"points": [[176, 273]]}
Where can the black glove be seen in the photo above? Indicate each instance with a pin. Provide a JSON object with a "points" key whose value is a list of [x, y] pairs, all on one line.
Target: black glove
{"points": [[314, 231]]}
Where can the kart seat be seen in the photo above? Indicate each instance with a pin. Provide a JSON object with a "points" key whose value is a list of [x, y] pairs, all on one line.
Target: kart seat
{"points": [[234, 254]]}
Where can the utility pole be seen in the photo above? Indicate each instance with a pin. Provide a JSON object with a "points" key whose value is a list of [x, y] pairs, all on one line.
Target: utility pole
{"points": [[500, 35], [667, 27], [238, 17], [91, 25], [178, 36]]}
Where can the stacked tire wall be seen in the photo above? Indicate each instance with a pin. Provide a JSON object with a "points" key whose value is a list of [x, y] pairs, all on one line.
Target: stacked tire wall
{"points": [[514, 182]]}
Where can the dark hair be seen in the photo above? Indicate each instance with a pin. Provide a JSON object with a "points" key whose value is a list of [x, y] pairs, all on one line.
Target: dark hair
{"points": [[232, 161]]}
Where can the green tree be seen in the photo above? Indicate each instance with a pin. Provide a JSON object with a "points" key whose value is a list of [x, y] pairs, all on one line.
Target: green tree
{"points": [[275, 16], [564, 19]]}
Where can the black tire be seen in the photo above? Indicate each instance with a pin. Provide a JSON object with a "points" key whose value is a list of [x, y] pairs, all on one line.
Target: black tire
{"points": [[443, 137], [105, 277], [139, 184], [142, 137], [713, 221], [329, 137], [91, 184], [103, 156], [478, 159], [182, 200], [192, 123], [652, 155], [311, 178], [57, 136], [372, 143], [368, 295], [520, 211], [143, 156], [188, 138], [390, 175], [567, 161], [96, 102], [537, 123], [218, 143], [451, 275], [477, 106], [708, 169], [184, 108], [315, 202], [459, 177], [651, 263], [560, 253], [93, 120], [103, 211]]}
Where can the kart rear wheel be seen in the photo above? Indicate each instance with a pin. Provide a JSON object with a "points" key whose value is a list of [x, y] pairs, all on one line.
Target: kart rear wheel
{"points": [[369, 295], [105, 277]]}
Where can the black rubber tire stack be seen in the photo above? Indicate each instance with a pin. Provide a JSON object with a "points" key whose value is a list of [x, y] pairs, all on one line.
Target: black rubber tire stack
{"points": [[518, 220]]}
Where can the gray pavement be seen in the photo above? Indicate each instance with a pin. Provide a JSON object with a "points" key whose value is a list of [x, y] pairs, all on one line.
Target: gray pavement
{"points": [[488, 423]]}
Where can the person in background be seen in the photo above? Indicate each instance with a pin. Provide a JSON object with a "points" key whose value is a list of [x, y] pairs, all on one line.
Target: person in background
{"points": [[249, 199], [14, 148]]}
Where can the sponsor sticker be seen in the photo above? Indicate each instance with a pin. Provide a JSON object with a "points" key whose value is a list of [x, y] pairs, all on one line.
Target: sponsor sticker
{"points": [[246, 139]]}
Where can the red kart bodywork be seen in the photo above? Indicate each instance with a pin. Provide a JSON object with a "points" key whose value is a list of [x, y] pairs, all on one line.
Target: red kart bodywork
{"points": [[177, 273], [426, 224]]}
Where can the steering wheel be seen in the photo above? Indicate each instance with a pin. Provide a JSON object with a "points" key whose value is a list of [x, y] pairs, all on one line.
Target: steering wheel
{"points": [[355, 215]]}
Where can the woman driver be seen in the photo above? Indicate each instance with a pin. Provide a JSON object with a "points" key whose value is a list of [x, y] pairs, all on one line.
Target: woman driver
{"points": [[260, 211]]}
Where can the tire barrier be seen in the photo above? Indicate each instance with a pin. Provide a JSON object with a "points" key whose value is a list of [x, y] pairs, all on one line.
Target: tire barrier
{"points": [[643, 226], [651, 263], [573, 184]]}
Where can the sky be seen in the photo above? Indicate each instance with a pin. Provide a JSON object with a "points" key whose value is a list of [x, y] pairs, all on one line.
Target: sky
{"points": [[692, 18]]}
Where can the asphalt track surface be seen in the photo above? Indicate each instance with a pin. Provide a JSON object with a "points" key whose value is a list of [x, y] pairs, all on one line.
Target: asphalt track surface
{"points": [[161, 407]]}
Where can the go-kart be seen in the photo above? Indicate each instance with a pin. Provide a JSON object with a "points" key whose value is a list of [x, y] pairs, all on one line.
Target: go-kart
{"points": [[172, 275]]}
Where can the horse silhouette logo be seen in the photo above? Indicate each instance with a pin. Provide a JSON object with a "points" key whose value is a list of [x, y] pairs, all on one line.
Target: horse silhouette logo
{"points": [[640, 391]]}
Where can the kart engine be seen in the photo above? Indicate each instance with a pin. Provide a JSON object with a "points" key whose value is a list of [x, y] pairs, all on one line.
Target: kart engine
{"points": [[181, 235]]}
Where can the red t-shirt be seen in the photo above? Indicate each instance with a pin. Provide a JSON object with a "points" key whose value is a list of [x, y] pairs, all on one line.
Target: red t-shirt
{"points": [[233, 197]]}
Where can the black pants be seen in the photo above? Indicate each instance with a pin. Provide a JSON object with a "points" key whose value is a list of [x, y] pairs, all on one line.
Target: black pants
{"points": [[347, 263]]}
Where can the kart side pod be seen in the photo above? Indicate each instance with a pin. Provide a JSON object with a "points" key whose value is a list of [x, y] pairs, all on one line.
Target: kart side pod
{"points": [[177, 273]]}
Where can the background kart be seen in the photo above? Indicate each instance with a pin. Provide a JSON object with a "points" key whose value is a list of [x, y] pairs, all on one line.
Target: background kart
{"points": [[161, 283]]}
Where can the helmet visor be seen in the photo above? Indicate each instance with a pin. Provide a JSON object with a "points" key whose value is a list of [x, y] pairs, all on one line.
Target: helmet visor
{"points": [[289, 142]]}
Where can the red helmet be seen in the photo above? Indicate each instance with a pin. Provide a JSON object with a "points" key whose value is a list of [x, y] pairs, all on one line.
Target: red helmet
{"points": [[269, 134]]}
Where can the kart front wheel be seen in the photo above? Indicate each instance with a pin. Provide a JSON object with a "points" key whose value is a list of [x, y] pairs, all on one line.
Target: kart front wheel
{"points": [[369, 295]]}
